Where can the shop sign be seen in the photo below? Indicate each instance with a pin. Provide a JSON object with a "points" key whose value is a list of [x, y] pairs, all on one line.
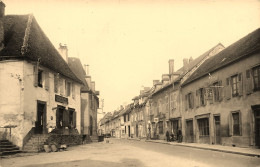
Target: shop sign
{"points": [[61, 99]]}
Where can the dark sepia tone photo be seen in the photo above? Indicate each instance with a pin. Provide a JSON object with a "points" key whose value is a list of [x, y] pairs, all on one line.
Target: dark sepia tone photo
{"points": [[129, 83]]}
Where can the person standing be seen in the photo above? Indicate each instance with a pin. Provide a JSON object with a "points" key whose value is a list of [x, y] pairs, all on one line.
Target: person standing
{"points": [[179, 136]]}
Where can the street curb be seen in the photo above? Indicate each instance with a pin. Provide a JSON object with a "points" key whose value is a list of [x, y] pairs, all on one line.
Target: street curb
{"points": [[212, 149]]}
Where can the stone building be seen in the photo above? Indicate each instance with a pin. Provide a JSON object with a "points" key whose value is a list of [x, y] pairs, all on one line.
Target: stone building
{"points": [[39, 92], [89, 99], [221, 98]]}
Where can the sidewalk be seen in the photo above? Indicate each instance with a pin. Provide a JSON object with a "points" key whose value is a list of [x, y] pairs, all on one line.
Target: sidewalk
{"points": [[220, 148]]}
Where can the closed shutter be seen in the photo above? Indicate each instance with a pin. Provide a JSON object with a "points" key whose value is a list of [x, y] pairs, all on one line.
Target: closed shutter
{"points": [[249, 82], [47, 81], [35, 74], [56, 83], [220, 89], [74, 119], [186, 102], [240, 84]]}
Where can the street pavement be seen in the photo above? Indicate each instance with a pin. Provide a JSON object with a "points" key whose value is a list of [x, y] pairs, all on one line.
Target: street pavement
{"points": [[130, 153]]}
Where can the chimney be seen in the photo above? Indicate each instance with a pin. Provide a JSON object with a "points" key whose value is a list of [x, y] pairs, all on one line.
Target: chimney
{"points": [[171, 66], [155, 82], [63, 50], [2, 13], [93, 85], [185, 62], [191, 59], [86, 69]]}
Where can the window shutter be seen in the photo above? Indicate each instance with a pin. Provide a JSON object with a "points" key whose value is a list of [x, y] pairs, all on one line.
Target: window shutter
{"points": [[47, 81], [74, 119], [228, 89], [240, 123], [57, 118], [192, 100], [186, 102], [197, 98], [230, 125], [204, 96], [73, 90], [35, 74], [240, 83], [56, 83], [249, 82], [220, 89], [61, 86], [65, 118]]}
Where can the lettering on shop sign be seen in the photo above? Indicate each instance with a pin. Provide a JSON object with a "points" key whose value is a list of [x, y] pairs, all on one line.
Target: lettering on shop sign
{"points": [[61, 99]]}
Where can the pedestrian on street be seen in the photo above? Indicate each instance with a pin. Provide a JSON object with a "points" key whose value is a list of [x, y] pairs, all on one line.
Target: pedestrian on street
{"points": [[167, 136], [179, 136], [172, 136]]}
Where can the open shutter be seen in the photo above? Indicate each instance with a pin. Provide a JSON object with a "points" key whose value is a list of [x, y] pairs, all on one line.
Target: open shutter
{"points": [[186, 102], [228, 89], [220, 89], [249, 82], [47, 81], [230, 125], [240, 84], [65, 118], [74, 119], [197, 98], [57, 118], [35, 74], [204, 96]]}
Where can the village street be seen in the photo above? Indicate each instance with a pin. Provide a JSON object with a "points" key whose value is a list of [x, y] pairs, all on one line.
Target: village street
{"points": [[120, 152]]}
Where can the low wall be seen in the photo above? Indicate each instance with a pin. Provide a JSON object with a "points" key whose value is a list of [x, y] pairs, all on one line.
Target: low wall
{"points": [[65, 139]]}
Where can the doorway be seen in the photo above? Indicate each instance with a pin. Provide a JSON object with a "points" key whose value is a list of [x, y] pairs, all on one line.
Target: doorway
{"points": [[129, 133], [217, 129], [189, 131], [40, 124], [257, 128], [136, 130]]}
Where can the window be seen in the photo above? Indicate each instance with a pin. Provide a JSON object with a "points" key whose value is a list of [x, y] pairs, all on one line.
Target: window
{"points": [[56, 83], [236, 124], [61, 86], [190, 100], [217, 90], [161, 127], [234, 85], [167, 103], [203, 125], [124, 118], [201, 96], [256, 78], [40, 78], [68, 88]]}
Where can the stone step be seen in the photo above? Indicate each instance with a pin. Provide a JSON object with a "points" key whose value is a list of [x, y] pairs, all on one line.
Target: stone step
{"points": [[9, 149], [9, 152]]}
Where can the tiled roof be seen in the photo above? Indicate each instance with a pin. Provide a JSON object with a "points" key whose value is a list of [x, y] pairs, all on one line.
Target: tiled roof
{"points": [[77, 68], [183, 71], [20, 33], [240, 49]]}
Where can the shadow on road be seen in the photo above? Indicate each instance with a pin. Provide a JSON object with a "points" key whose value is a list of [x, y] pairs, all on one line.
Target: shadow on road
{"points": [[127, 162]]}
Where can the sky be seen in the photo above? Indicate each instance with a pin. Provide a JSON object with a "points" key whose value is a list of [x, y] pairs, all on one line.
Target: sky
{"points": [[127, 43]]}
